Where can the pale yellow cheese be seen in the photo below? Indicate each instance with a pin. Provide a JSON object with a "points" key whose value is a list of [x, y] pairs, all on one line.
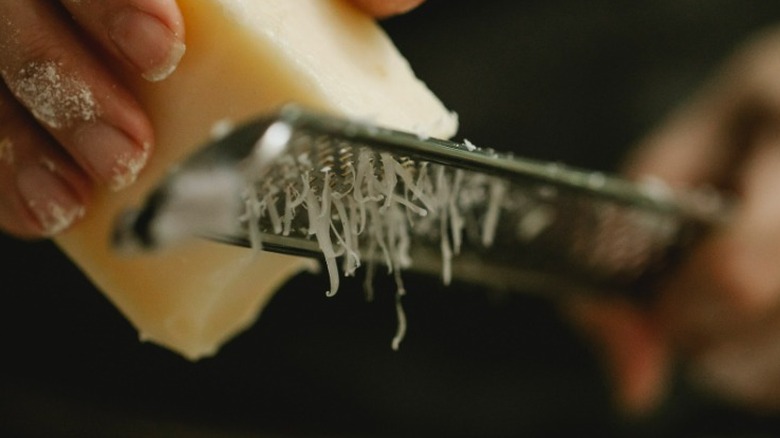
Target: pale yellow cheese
{"points": [[244, 58]]}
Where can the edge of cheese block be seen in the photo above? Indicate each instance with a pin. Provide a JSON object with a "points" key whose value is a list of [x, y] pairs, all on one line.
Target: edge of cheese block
{"points": [[243, 58]]}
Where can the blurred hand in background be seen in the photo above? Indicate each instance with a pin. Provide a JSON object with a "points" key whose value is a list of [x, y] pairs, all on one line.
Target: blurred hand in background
{"points": [[719, 316]]}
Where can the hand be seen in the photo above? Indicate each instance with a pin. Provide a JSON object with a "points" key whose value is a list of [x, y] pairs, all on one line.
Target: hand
{"points": [[720, 314], [66, 122], [386, 8]]}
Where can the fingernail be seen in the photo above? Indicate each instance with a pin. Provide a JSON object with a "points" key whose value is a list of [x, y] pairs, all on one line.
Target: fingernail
{"points": [[50, 200], [111, 155], [147, 43]]}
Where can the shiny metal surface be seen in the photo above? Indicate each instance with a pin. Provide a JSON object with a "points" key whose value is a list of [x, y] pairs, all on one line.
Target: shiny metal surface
{"points": [[563, 228]]}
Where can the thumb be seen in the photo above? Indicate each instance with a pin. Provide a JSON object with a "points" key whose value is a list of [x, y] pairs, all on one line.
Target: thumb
{"points": [[634, 351], [386, 8]]}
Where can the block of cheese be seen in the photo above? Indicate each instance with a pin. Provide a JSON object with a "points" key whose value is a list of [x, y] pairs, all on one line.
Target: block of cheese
{"points": [[244, 58]]}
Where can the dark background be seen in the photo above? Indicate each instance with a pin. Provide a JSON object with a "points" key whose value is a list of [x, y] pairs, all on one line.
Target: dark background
{"points": [[570, 81]]}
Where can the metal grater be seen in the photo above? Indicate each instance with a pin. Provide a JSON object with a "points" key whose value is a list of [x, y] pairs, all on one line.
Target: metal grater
{"points": [[407, 202]]}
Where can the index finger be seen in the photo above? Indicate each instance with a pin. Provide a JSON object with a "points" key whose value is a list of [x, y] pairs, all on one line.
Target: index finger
{"points": [[148, 35], [705, 141]]}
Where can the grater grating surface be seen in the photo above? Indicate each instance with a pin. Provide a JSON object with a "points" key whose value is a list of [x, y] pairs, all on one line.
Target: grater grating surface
{"points": [[354, 194]]}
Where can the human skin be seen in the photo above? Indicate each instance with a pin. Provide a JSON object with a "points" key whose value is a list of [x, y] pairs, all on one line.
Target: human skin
{"points": [[66, 122], [718, 316]]}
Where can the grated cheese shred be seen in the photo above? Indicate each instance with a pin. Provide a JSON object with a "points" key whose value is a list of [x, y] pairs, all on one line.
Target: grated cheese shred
{"points": [[366, 207]]}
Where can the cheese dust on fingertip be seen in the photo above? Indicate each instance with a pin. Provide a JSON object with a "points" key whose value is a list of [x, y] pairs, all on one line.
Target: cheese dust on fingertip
{"points": [[55, 217], [129, 166], [56, 98]]}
